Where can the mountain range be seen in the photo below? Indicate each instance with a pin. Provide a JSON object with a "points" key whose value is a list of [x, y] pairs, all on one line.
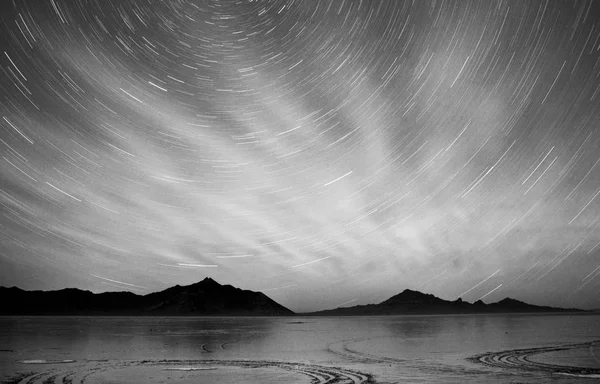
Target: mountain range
{"points": [[415, 302], [206, 297], [209, 298]]}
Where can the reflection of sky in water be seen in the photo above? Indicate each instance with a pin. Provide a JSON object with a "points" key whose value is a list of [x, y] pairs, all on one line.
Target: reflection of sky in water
{"points": [[433, 347]]}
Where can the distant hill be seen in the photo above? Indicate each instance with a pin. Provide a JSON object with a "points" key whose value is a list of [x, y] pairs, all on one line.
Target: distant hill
{"points": [[415, 302], [205, 298], [209, 298]]}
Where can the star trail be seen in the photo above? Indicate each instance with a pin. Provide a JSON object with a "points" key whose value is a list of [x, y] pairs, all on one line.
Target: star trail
{"points": [[324, 152]]}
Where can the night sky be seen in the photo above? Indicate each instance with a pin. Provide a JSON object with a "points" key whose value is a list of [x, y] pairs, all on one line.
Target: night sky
{"points": [[324, 152]]}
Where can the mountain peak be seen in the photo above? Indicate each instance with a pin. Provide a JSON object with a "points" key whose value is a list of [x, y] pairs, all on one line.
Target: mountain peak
{"points": [[410, 297], [409, 293], [510, 301], [415, 302], [204, 298]]}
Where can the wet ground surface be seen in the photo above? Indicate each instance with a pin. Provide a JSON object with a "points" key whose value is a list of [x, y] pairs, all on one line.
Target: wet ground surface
{"points": [[553, 359], [184, 371]]}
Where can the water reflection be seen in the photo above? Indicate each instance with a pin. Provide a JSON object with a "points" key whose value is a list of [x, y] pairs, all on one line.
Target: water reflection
{"points": [[416, 348]]}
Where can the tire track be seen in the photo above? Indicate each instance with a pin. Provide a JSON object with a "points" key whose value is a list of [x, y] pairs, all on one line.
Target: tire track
{"points": [[81, 371], [520, 359], [343, 349]]}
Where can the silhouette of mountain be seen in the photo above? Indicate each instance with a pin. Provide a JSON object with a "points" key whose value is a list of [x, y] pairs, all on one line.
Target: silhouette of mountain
{"points": [[415, 302], [206, 297]]}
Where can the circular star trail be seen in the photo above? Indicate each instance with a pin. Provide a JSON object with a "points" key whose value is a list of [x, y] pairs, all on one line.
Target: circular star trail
{"points": [[323, 152]]}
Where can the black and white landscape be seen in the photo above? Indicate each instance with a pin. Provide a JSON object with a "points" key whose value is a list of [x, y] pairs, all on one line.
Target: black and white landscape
{"points": [[299, 191]]}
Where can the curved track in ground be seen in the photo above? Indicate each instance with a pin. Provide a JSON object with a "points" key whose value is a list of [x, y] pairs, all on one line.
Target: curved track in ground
{"points": [[79, 372], [344, 349], [520, 359]]}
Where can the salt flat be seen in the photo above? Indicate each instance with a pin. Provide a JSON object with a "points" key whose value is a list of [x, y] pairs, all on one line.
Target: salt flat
{"points": [[458, 348]]}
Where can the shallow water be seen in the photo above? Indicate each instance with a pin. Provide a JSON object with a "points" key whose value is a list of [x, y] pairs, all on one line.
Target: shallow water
{"points": [[394, 349]]}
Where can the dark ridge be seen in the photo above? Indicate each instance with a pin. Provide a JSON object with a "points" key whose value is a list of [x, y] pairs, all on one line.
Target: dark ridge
{"points": [[415, 302], [204, 298]]}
